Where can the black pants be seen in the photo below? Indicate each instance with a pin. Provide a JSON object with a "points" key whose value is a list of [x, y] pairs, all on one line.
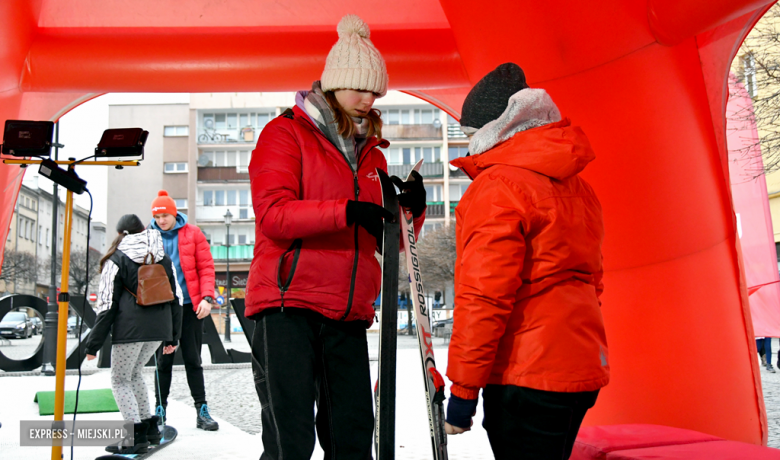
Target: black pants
{"points": [[523, 423], [301, 358], [190, 344]]}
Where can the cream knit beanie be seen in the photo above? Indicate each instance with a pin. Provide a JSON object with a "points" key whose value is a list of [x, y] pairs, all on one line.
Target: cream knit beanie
{"points": [[354, 62]]}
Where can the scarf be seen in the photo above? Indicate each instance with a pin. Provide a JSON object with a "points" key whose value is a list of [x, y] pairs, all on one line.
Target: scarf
{"points": [[319, 111]]}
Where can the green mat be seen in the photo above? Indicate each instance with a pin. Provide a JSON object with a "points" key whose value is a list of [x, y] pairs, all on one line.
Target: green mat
{"points": [[90, 401]]}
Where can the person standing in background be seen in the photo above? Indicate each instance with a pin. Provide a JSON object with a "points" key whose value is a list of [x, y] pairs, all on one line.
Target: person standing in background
{"points": [[190, 252]]}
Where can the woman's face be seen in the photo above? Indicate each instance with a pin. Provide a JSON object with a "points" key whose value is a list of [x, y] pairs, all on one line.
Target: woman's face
{"points": [[355, 103]]}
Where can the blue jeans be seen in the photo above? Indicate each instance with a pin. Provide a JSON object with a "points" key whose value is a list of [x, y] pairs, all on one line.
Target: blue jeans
{"points": [[764, 347]]}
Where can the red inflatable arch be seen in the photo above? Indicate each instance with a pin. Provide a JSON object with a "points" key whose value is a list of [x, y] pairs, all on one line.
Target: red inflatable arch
{"points": [[646, 79]]}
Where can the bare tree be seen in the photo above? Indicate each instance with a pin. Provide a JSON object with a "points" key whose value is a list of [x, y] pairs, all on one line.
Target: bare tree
{"points": [[18, 267], [78, 274], [758, 69], [437, 251]]}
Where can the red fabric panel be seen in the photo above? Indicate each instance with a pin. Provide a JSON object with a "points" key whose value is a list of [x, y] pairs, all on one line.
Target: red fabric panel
{"points": [[754, 221], [716, 450], [104, 60], [654, 115], [672, 21], [594, 442]]}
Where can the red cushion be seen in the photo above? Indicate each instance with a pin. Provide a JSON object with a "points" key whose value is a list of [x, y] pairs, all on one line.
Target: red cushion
{"points": [[595, 442], [716, 450]]}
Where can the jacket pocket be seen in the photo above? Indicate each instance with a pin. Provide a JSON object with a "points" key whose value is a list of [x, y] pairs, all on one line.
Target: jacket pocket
{"points": [[283, 280]]}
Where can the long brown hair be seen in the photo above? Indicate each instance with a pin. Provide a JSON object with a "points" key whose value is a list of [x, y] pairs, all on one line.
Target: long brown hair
{"points": [[346, 127], [129, 223]]}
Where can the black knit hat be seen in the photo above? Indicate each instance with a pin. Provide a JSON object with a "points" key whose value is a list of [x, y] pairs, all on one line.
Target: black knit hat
{"points": [[129, 223], [488, 99]]}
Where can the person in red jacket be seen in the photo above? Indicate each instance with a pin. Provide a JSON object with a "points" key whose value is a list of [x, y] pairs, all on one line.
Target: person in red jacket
{"points": [[190, 252], [527, 323], [314, 275]]}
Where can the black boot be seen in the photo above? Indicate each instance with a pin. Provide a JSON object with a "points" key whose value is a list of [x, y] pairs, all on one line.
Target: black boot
{"points": [[204, 420], [140, 444], [153, 433]]}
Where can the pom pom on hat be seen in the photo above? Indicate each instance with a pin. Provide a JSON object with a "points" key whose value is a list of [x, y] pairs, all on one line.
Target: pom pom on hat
{"points": [[354, 62], [352, 24], [163, 204]]}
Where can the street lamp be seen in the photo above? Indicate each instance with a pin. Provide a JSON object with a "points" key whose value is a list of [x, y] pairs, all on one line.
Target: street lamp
{"points": [[228, 221]]}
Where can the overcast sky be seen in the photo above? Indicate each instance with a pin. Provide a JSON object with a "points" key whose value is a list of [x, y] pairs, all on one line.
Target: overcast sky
{"points": [[80, 131]]}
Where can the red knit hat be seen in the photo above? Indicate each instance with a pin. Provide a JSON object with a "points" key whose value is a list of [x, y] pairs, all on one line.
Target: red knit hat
{"points": [[163, 204]]}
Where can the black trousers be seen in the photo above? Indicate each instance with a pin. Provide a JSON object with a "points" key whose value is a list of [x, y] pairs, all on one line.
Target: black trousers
{"points": [[190, 344], [301, 358], [523, 423]]}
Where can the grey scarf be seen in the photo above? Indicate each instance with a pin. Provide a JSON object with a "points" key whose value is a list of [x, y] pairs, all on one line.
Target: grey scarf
{"points": [[318, 109]]}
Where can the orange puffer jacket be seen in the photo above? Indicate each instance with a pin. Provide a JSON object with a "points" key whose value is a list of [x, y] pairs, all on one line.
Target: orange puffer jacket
{"points": [[529, 232]]}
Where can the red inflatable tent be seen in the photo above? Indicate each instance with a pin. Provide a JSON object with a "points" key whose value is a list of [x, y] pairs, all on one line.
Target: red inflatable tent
{"points": [[646, 79]]}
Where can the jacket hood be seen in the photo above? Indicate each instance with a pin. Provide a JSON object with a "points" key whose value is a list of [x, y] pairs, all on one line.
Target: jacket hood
{"points": [[137, 245], [557, 150], [181, 221], [528, 108]]}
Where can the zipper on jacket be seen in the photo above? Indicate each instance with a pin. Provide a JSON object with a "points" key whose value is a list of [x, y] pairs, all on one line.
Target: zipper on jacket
{"points": [[284, 286], [357, 252]]}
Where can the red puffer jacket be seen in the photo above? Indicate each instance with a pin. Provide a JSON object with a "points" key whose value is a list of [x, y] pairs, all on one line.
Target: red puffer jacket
{"points": [[196, 263], [528, 276], [305, 254]]}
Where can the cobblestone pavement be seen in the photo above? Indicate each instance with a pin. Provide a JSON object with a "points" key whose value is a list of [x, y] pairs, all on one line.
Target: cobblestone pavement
{"points": [[231, 392], [771, 386]]}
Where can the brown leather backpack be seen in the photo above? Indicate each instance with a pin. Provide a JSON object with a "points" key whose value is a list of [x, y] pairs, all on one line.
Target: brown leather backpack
{"points": [[154, 287]]}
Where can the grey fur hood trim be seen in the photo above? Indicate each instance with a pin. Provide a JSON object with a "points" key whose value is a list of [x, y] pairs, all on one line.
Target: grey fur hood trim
{"points": [[528, 108]]}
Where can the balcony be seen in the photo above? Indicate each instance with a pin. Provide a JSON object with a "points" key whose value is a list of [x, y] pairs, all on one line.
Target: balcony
{"points": [[454, 132], [241, 252], [427, 170], [223, 174], [436, 208], [217, 213], [406, 132], [246, 135]]}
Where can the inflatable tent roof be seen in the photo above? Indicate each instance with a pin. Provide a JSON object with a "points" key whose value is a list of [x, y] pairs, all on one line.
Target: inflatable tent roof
{"points": [[646, 79]]}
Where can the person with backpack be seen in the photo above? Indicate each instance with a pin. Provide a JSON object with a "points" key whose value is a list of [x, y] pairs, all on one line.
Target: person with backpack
{"points": [[190, 252], [137, 330], [528, 329], [314, 275]]}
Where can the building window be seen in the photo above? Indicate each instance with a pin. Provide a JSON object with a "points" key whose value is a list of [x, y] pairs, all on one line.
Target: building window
{"points": [[243, 213], [219, 198], [176, 131], [243, 197], [208, 198], [457, 152], [241, 239], [180, 203], [457, 191], [748, 64], [232, 239], [433, 193], [231, 197], [219, 121], [173, 168]]}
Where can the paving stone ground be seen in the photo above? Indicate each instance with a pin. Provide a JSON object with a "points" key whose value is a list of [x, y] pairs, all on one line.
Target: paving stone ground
{"points": [[232, 399]]}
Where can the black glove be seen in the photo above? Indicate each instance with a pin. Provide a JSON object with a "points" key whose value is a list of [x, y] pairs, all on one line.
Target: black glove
{"points": [[412, 194], [369, 216]]}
